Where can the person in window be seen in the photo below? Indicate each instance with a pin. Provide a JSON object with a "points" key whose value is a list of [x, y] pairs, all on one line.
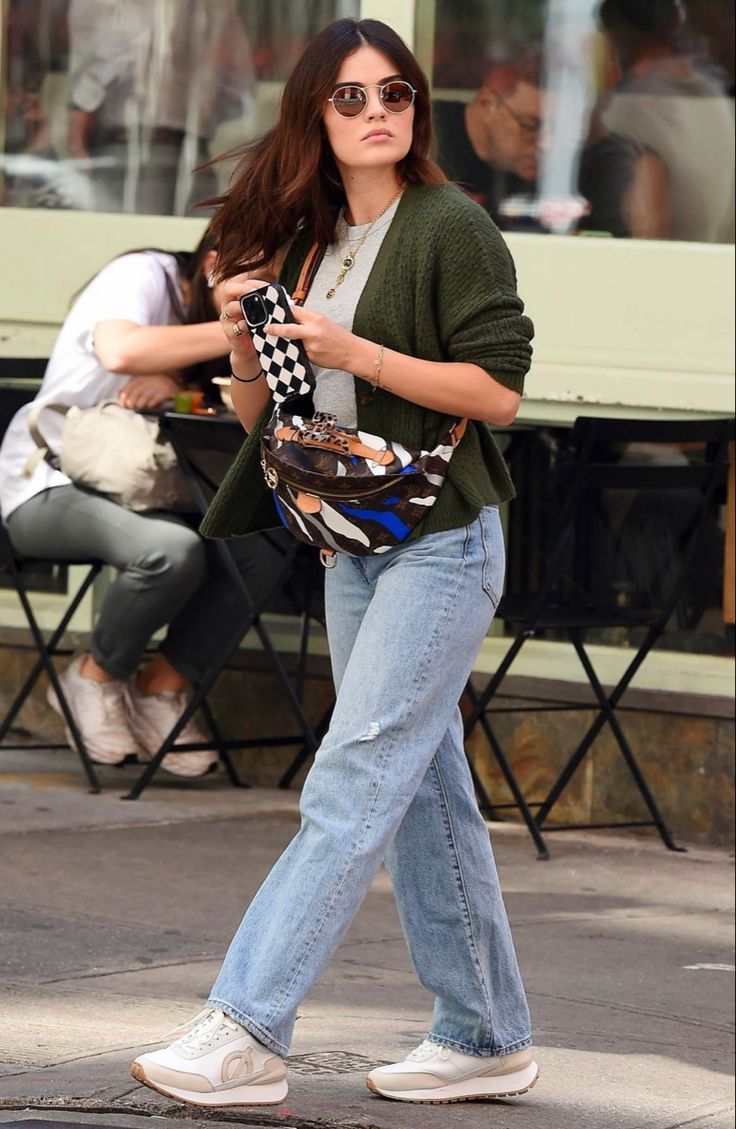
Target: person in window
{"points": [[660, 159], [490, 146], [150, 82], [141, 329], [412, 322]]}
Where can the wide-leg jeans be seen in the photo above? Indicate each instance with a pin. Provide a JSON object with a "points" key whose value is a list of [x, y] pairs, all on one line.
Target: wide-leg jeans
{"points": [[390, 782]]}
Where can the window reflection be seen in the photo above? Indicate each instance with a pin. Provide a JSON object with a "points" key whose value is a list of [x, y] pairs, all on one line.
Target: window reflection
{"points": [[111, 105], [491, 144], [604, 116]]}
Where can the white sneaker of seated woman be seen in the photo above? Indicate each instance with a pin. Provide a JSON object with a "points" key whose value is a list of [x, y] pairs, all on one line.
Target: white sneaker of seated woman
{"points": [[100, 715], [217, 1063], [437, 1074], [151, 718]]}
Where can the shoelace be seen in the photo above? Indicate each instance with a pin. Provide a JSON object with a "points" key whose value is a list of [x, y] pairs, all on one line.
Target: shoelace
{"points": [[203, 1028], [424, 1050], [177, 703], [113, 708]]}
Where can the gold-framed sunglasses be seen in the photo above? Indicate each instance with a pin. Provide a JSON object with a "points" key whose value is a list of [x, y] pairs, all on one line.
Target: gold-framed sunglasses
{"points": [[351, 99]]}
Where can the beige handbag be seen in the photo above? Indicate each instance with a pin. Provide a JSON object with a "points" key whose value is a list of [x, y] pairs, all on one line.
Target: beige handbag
{"points": [[114, 451]]}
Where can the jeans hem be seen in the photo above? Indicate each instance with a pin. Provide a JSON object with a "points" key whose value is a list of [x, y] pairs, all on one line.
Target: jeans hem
{"points": [[480, 1052], [180, 663], [119, 673], [253, 1026]]}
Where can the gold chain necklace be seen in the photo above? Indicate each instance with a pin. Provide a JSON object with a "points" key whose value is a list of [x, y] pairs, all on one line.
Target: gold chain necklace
{"points": [[351, 253]]}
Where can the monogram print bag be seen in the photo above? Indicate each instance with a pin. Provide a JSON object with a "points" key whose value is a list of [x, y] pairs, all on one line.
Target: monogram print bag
{"points": [[339, 488]]}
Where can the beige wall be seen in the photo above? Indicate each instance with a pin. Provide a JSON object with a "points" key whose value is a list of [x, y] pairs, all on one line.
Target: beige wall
{"points": [[622, 326]]}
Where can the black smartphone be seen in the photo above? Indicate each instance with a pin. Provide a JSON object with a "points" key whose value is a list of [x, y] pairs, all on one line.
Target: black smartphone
{"points": [[285, 363]]}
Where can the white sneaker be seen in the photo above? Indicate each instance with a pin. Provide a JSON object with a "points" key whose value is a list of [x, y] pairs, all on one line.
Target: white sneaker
{"points": [[151, 718], [437, 1074], [218, 1063], [98, 710]]}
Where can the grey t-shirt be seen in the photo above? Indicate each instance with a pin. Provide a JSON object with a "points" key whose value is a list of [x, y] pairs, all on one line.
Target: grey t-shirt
{"points": [[335, 391]]}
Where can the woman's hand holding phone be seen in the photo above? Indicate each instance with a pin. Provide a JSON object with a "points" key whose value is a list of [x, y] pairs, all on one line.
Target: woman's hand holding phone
{"points": [[239, 340], [327, 344]]}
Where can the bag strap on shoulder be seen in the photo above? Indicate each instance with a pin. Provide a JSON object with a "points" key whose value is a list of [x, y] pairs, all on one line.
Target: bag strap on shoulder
{"points": [[43, 451], [307, 273]]}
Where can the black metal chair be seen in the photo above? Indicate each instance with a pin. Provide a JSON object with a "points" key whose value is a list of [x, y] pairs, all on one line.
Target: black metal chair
{"points": [[624, 491], [18, 385], [16, 389]]}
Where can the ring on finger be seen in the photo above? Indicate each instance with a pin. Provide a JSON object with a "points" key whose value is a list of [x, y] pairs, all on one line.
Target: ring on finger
{"points": [[225, 316], [238, 330]]}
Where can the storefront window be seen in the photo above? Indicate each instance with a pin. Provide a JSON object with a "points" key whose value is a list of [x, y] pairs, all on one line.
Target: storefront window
{"points": [[606, 117], [110, 105]]}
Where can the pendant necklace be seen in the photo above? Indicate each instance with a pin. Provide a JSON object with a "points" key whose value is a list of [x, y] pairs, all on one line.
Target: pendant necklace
{"points": [[351, 253]]}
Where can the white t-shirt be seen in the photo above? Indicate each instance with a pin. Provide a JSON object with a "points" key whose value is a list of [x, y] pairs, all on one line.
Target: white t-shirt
{"points": [[335, 391], [688, 121], [131, 288]]}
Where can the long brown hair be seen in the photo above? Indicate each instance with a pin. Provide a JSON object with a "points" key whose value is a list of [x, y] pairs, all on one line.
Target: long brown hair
{"points": [[288, 178]]}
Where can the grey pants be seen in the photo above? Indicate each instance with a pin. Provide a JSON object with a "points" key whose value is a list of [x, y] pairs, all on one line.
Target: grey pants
{"points": [[167, 574]]}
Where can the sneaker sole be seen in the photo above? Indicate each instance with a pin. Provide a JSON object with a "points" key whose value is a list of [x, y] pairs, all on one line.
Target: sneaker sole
{"points": [[273, 1094], [184, 775], [473, 1089]]}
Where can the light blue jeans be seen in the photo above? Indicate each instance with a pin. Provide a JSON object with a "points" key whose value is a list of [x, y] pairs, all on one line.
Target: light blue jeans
{"points": [[391, 782]]}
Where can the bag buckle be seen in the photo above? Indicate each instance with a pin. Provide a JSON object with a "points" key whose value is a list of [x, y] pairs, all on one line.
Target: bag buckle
{"points": [[328, 558]]}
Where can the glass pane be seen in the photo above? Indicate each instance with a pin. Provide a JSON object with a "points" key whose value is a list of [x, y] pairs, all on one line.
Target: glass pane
{"points": [[580, 116], [110, 105]]}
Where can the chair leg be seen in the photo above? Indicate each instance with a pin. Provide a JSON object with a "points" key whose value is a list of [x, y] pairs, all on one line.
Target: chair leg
{"points": [[520, 802], [45, 662], [479, 715], [305, 752], [606, 714], [481, 701], [196, 700], [48, 648], [224, 752], [210, 676]]}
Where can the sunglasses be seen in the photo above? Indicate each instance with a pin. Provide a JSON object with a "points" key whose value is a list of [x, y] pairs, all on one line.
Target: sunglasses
{"points": [[351, 100], [528, 125]]}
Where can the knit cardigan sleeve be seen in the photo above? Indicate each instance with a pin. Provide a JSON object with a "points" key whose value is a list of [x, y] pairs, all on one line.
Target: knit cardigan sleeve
{"points": [[480, 314]]}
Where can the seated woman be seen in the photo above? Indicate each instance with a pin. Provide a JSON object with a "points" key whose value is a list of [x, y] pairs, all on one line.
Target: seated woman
{"points": [[143, 328]]}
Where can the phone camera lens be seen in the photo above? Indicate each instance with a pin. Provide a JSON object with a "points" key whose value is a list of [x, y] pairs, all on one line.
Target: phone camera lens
{"points": [[254, 309]]}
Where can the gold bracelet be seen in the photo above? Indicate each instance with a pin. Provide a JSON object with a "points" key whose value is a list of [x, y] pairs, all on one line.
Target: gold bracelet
{"points": [[375, 380]]}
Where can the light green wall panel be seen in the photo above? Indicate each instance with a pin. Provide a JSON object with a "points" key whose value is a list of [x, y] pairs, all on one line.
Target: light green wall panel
{"points": [[627, 325], [48, 255], [398, 14], [621, 325]]}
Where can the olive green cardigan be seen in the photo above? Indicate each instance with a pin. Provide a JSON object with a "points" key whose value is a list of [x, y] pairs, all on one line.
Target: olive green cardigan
{"points": [[443, 288]]}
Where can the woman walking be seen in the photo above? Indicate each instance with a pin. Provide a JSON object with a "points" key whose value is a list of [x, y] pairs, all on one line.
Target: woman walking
{"points": [[412, 322]]}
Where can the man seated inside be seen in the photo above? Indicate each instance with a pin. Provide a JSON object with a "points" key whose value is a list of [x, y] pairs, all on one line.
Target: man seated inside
{"points": [[490, 145]]}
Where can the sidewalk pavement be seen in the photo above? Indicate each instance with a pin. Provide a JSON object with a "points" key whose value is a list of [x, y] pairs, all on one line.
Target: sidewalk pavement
{"points": [[115, 915]]}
